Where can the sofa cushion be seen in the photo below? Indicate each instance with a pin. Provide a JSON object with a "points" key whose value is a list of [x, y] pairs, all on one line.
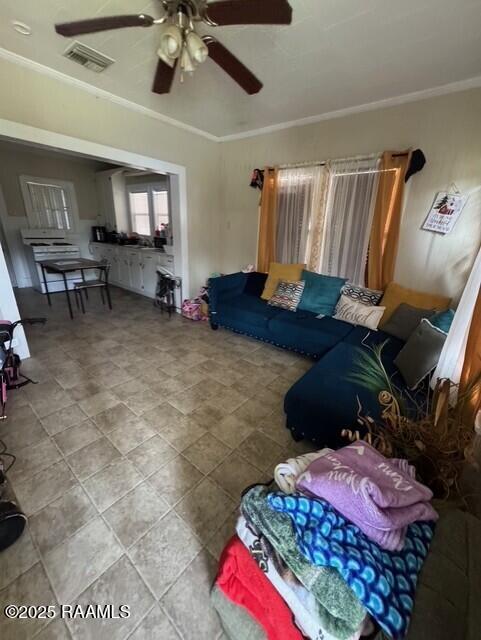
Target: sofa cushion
{"points": [[443, 320], [405, 320], [279, 271], [304, 331], [420, 355], [357, 313], [249, 310], [321, 293], [396, 294], [287, 295]]}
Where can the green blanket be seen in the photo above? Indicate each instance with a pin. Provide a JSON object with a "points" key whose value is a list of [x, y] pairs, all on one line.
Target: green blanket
{"points": [[236, 622], [339, 609]]}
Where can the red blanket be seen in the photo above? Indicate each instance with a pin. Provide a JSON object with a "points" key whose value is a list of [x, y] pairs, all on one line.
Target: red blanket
{"points": [[241, 580]]}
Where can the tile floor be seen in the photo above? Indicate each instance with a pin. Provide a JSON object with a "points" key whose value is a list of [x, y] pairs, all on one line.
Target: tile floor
{"points": [[132, 452]]}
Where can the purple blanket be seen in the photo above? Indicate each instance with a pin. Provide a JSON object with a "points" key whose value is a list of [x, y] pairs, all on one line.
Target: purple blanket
{"points": [[379, 495]]}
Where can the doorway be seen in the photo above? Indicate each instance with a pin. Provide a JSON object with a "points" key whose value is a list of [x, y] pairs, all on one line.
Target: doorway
{"points": [[50, 141]]}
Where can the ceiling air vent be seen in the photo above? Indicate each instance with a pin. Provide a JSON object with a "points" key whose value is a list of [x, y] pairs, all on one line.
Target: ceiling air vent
{"points": [[88, 57]]}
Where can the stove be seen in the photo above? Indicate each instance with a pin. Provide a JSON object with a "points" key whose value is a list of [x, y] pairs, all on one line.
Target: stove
{"points": [[48, 244]]}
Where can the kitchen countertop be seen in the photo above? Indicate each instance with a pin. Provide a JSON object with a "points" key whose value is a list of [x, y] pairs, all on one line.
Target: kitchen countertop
{"points": [[168, 251]]}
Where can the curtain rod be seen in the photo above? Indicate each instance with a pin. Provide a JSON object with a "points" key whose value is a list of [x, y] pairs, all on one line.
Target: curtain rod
{"points": [[322, 163]]}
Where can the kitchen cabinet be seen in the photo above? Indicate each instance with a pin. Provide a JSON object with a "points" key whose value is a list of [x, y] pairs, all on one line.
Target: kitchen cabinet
{"points": [[149, 273], [124, 269], [132, 268], [135, 270]]}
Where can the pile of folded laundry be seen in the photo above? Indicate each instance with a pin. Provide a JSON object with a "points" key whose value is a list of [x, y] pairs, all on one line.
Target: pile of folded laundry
{"points": [[331, 550]]}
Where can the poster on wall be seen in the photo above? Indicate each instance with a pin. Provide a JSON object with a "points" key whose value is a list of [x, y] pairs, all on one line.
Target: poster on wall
{"points": [[445, 211]]}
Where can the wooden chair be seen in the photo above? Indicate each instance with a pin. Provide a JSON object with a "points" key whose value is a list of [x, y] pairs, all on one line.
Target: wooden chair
{"points": [[101, 283]]}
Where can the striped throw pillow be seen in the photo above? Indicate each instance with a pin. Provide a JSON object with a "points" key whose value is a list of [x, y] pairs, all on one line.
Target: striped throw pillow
{"points": [[287, 295]]}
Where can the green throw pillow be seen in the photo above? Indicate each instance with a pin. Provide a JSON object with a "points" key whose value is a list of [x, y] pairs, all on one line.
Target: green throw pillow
{"points": [[321, 293], [420, 355]]}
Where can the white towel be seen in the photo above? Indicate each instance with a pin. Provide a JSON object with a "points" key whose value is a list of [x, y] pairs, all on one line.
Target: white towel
{"points": [[286, 473]]}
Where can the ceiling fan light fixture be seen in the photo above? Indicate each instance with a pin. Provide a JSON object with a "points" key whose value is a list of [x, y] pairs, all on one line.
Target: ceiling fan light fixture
{"points": [[196, 47], [171, 41], [166, 59], [186, 63]]}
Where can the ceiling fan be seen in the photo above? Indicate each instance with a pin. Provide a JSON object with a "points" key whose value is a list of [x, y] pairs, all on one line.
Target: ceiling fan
{"points": [[179, 43]]}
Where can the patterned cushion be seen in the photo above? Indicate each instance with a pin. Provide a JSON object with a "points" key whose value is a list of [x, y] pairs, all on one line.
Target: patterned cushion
{"points": [[369, 297], [287, 295]]}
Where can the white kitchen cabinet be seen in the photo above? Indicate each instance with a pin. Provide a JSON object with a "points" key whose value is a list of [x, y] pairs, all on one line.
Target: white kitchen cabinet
{"points": [[111, 255], [132, 268], [149, 273], [112, 197], [124, 269], [135, 270]]}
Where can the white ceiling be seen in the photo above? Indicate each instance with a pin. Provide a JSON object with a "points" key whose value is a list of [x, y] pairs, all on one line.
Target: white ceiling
{"points": [[337, 54]]}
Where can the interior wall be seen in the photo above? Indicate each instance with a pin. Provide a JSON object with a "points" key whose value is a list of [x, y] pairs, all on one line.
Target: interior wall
{"points": [[447, 129], [48, 103], [8, 307], [17, 160]]}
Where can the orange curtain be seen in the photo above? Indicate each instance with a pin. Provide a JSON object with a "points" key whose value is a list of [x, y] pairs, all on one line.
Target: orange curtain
{"points": [[384, 240], [472, 364], [266, 244]]}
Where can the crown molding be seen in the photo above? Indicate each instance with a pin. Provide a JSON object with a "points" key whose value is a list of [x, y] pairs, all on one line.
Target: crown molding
{"points": [[101, 93], [424, 94], [452, 87]]}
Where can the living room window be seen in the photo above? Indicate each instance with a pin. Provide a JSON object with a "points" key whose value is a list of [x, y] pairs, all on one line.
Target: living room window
{"points": [[149, 208], [49, 203]]}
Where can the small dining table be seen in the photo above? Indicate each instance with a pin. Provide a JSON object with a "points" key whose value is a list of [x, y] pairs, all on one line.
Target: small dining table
{"points": [[63, 266]]}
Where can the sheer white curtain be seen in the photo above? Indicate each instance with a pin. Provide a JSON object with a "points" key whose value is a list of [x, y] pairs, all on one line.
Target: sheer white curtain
{"points": [[298, 190], [451, 361], [348, 217]]}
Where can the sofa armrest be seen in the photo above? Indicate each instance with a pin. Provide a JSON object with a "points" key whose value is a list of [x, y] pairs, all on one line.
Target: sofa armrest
{"points": [[225, 287], [233, 285]]}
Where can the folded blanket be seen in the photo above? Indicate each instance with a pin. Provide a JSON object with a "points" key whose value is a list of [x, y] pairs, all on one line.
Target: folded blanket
{"points": [[240, 579], [340, 611], [379, 495], [236, 622], [286, 473], [301, 602], [384, 581]]}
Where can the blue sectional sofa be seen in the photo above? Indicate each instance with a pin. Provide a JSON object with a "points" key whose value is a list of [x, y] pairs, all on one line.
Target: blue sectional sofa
{"points": [[323, 401]]}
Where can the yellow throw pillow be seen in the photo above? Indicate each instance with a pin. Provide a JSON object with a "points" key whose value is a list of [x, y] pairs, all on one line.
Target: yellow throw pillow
{"points": [[395, 295], [278, 271]]}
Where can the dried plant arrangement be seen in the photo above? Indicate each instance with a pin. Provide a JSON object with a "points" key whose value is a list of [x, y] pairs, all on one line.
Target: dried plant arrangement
{"points": [[433, 435]]}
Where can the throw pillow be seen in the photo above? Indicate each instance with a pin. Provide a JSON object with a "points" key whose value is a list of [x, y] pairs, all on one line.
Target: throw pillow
{"points": [[287, 295], [369, 297], [278, 272], [405, 320], [443, 320], [357, 313], [396, 294], [321, 293], [420, 354]]}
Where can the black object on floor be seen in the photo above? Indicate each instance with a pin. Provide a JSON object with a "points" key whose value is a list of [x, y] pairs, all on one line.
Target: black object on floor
{"points": [[12, 524]]}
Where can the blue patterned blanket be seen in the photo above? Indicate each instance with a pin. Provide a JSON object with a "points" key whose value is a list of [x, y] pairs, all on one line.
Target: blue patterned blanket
{"points": [[384, 581]]}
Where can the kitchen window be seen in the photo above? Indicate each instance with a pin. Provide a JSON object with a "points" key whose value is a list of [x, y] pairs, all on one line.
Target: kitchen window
{"points": [[49, 203], [149, 209]]}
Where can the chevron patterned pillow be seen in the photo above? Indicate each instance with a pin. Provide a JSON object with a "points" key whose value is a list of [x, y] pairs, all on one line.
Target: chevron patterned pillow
{"points": [[287, 295]]}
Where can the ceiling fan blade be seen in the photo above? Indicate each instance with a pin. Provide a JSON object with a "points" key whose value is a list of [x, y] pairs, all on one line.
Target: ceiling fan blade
{"points": [[163, 78], [233, 66], [69, 29], [227, 12]]}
